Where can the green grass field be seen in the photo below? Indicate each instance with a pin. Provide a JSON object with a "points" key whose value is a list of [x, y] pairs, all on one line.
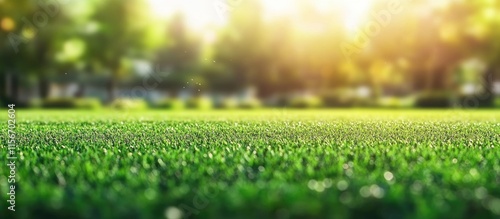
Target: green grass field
{"points": [[256, 164]]}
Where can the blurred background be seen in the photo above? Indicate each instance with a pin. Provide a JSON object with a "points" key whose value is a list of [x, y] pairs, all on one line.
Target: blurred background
{"points": [[249, 53]]}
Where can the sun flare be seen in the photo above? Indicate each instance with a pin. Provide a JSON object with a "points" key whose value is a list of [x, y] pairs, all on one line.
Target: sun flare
{"points": [[355, 13], [200, 14]]}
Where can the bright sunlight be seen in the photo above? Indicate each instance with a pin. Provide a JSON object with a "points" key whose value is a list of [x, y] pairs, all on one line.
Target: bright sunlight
{"points": [[198, 14], [201, 14]]}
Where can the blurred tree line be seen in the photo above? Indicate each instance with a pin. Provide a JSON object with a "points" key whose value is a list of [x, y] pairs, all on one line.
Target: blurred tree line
{"points": [[421, 48]]}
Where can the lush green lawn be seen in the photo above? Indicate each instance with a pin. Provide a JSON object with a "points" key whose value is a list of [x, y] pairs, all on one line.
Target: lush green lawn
{"points": [[256, 164]]}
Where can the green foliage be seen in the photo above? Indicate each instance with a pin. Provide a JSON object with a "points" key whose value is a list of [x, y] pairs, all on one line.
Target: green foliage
{"points": [[68, 103], [229, 103], [485, 100], [396, 103], [306, 102], [129, 104], [434, 99], [171, 103], [201, 103], [252, 103], [344, 98], [220, 164], [337, 99], [276, 56]]}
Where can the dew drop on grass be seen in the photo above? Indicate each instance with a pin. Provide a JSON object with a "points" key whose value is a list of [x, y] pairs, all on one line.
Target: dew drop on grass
{"points": [[376, 191], [327, 183], [345, 198], [481, 193], [342, 185], [210, 171], [388, 176], [312, 184], [495, 206], [316, 186], [133, 170], [150, 194], [473, 172], [345, 166], [364, 192], [173, 213], [349, 173], [416, 187], [319, 187]]}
